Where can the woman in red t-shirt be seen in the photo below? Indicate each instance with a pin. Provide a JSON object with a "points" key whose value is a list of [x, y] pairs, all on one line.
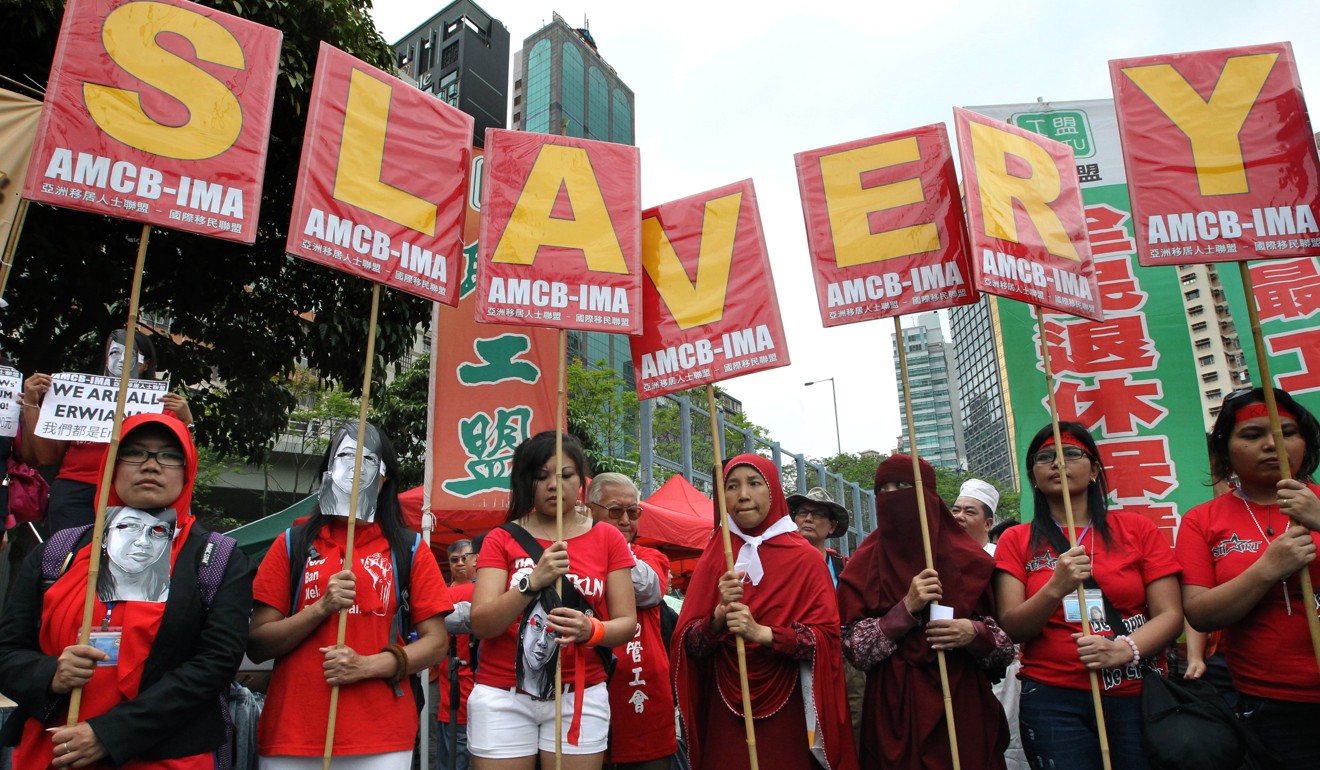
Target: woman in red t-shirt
{"points": [[1241, 558], [511, 711], [297, 623], [1036, 581]]}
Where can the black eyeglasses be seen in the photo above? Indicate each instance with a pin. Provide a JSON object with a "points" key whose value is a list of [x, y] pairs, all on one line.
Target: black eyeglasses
{"points": [[634, 511], [1047, 456], [165, 458]]}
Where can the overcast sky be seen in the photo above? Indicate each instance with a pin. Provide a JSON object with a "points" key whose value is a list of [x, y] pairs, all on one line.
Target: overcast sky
{"points": [[731, 90]]}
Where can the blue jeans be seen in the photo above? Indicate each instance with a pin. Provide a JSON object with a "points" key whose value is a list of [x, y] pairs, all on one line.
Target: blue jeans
{"points": [[442, 747], [1059, 729]]}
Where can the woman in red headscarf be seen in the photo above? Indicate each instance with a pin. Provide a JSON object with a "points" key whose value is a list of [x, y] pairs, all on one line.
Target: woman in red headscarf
{"points": [[154, 700], [778, 601], [884, 596]]}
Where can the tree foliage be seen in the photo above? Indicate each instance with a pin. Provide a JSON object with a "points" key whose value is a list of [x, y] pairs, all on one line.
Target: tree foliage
{"points": [[242, 316], [602, 413]]}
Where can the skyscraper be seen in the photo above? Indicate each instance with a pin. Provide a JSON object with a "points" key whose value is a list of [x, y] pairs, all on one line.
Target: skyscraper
{"points": [[561, 84], [935, 392], [985, 421], [471, 70]]}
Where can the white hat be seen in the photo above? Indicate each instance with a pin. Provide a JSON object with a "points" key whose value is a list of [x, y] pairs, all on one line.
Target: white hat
{"points": [[980, 490]]}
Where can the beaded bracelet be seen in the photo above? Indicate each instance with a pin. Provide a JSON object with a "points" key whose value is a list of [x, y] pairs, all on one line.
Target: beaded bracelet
{"points": [[1136, 653], [597, 632]]}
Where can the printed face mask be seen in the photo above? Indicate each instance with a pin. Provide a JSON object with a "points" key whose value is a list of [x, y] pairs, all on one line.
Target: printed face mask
{"points": [[337, 482], [137, 544], [114, 360]]}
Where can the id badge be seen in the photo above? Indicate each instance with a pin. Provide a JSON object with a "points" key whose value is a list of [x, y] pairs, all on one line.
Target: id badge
{"points": [[107, 641], [1095, 607]]}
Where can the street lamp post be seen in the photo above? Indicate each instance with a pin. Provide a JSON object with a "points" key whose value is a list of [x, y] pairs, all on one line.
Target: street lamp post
{"points": [[837, 439]]}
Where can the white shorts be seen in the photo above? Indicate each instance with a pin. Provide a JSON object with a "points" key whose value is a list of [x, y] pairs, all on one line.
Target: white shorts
{"points": [[507, 725], [391, 761]]}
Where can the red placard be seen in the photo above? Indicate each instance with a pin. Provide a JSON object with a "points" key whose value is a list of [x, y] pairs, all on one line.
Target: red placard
{"points": [[560, 233], [1026, 222], [885, 227], [1221, 163], [383, 180], [158, 112], [708, 298]]}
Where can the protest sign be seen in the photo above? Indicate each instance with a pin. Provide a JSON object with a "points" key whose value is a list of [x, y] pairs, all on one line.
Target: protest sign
{"points": [[560, 241], [885, 226], [1220, 156], [708, 297], [383, 179], [81, 407], [1024, 209], [158, 112], [11, 390]]}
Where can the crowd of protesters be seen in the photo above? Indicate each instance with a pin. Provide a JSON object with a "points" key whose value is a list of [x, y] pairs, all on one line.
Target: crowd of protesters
{"points": [[830, 662]]}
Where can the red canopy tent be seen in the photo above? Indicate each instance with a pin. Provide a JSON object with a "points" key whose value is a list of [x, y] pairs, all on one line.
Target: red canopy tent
{"points": [[677, 520]]}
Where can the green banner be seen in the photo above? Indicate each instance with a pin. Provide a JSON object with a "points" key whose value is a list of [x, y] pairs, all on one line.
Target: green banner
{"points": [[1131, 378]]}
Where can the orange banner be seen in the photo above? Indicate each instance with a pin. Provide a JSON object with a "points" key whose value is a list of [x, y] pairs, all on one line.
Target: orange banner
{"points": [[383, 180], [492, 387], [1221, 162], [709, 297], [1025, 215], [158, 112], [885, 226], [560, 233]]}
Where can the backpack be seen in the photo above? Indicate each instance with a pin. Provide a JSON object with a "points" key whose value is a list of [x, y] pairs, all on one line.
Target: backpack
{"points": [[402, 568], [58, 555], [1188, 726]]}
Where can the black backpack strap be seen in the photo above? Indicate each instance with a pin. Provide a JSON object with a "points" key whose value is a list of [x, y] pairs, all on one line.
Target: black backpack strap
{"points": [[1057, 540]]}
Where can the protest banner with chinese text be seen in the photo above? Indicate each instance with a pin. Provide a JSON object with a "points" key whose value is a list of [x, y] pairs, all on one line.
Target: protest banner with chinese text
{"points": [[383, 179], [560, 242], [158, 112], [492, 387], [885, 226], [1025, 220], [81, 407], [11, 389], [1288, 299], [708, 298], [1220, 155], [1126, 377]]}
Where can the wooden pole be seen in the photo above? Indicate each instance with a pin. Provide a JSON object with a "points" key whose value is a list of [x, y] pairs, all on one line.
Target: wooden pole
{"points": [[925, 531], [1276, 430], [559, 535], [352, 508], [1062, 465], [107, 474], [11, 246], [739, 644]]}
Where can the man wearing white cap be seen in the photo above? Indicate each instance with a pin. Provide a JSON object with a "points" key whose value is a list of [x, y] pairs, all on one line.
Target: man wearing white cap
{"points": [[975, 511]]}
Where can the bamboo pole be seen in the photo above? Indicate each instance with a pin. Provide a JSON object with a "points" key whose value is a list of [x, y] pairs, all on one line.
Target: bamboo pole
{"points": [[352, 509], [925, 531], [107, 474], [739, 644], [1276, 430], [559, 535], [1062, 465]]}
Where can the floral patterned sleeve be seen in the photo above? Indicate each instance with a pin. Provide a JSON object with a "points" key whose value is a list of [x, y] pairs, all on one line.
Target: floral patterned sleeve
{"points": [[796, 641], [991, 646], [868, 642], [699, 640]]}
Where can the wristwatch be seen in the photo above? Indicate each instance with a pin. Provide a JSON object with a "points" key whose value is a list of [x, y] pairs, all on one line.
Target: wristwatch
{"points": [[525, 586]]}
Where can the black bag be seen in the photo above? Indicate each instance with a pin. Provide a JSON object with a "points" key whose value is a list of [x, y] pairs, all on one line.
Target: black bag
{"points": [[1188, 726]]}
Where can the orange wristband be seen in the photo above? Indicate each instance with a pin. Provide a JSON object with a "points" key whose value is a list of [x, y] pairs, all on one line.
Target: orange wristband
{"points": [[597, 632]]}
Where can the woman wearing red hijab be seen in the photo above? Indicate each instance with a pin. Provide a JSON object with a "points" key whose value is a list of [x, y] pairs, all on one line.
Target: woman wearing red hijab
{"points": [[884, 593], [157, 705], [778, 601]]}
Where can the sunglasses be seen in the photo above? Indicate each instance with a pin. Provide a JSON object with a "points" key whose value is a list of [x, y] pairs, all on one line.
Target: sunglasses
{"points": [[155, 531]]}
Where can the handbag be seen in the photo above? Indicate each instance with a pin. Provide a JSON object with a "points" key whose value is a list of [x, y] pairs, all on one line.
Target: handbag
{"points": [[1188, 726], [28, 491]]}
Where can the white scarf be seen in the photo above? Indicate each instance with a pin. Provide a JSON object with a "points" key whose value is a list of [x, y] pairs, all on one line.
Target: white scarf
{"points": [[749, 556]]}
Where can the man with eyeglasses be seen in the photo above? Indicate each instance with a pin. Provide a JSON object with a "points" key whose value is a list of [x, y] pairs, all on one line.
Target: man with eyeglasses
{"points": [[818, 519], [642, 728]]}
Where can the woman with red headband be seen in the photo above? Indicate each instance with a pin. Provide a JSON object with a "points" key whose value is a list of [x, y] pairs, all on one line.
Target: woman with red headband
{"points": [[1128, 572], [1241, 557], [780, 601]]}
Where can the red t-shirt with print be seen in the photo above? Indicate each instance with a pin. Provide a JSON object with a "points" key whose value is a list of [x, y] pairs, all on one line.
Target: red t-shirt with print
{"points": [[458, 646], [293, 721], [641, 697], [591, 557], [1136, 555], [1269, 651]]}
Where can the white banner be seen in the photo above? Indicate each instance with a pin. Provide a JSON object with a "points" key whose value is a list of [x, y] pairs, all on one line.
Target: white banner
{"points": [[81, 407], [11, 388]]}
